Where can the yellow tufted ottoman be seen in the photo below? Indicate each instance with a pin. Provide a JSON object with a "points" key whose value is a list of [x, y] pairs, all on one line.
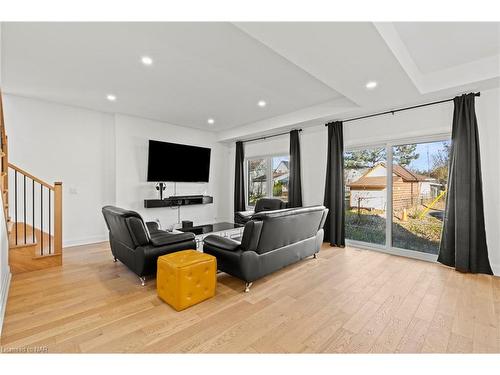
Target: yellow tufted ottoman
{"points": [[186, 278]]}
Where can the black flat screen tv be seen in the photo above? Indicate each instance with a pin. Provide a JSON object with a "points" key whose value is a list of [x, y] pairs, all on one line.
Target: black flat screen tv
{"points": [[173, 162]]}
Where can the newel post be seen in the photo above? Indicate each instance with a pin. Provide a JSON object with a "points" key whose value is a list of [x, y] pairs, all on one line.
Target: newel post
{"points": [[58, 217]]}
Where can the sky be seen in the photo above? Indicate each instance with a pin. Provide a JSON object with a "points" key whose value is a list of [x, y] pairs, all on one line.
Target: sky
{"points": [[423, 163], [425, 151], [277, 160]]}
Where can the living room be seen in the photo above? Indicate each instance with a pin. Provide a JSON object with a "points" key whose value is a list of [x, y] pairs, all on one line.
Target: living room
{"points": [[339, 180]]}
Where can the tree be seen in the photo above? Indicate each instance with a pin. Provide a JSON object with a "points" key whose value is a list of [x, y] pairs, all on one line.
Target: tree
{"points": [[257, 171], [363, 158], [278, 189], [440, 163], [405, 154], [402, 155]]}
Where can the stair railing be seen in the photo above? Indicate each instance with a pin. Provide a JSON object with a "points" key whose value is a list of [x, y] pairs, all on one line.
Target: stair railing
{"points": [[36, 203]]}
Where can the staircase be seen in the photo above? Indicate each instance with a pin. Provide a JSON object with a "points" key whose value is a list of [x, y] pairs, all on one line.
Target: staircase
{"points": [[33, 213]]}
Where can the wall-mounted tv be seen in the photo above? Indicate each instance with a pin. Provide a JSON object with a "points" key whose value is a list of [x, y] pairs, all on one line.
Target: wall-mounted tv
{"points": [[173, 162]]}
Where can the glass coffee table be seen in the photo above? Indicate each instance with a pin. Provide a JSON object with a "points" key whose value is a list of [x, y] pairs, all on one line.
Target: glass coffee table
{"points": [[224, 229]]}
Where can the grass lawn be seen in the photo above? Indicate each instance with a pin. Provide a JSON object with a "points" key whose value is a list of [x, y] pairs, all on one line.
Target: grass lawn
{"points": [[369, 226], [414, 234]]}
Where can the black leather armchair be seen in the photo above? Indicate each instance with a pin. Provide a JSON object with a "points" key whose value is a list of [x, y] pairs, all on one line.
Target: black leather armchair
{"points": [[271, 240], [263, 204], [137, 244]]}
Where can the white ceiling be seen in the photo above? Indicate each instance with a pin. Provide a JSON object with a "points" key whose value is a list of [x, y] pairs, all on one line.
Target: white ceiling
{"points": [[308, 73], [200, 71], [440, 45]]}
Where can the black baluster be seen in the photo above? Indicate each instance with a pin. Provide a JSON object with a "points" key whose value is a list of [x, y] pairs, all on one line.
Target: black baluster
{"points": [[41, 219]]}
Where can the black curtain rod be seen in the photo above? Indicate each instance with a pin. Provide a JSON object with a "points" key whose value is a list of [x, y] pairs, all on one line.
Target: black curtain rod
{"points": [[402, 109], [268, 136]]}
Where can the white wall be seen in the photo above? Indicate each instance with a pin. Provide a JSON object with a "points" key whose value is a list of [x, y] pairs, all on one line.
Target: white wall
{"points": [[80, 147], [76, 146], [132, 136], [433, 120], [376, 199], [1, 53], [4, 244], [101, 159], [488, 117]]}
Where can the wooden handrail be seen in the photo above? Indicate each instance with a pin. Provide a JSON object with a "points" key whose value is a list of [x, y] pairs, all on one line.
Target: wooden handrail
{"points": [[29, 175]]}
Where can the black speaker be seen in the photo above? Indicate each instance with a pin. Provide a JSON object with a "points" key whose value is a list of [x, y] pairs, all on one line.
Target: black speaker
{"points": [[187, 224]]}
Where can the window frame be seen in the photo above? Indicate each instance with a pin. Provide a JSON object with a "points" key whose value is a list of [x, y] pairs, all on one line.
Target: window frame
{"points": [[388, 248], [269, 165]]}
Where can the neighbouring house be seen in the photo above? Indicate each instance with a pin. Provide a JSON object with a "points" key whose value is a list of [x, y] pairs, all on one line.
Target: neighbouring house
{"points": [[409, 188], [257, 180], [280, 180], [352, 174], [282, 168], [258, 184]]}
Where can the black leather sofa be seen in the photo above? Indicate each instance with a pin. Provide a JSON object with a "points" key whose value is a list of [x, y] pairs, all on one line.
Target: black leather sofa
{"points": [[263, 204], [137, 244], [271, 240]]}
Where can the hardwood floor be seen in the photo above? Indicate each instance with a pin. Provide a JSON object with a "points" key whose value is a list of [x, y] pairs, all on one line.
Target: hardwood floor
{"points": [[346, 301]]}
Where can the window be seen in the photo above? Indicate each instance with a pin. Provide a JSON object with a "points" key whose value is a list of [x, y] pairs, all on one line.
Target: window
{"points": [[280, 177], [365, 176], [257, 180], [267, 178], [412, 189]]}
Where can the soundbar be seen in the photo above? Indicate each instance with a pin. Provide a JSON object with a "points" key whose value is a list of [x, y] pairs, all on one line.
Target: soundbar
{"points": [[180, 200]]}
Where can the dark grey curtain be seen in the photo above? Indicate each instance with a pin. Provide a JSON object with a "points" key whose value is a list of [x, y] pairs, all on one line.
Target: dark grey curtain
{"points": [[239, 179], [294, 181], [334, 187], [463, 242]]}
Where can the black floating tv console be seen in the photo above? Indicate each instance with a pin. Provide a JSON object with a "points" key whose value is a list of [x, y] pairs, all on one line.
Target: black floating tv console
{"points": [[178, 200]]}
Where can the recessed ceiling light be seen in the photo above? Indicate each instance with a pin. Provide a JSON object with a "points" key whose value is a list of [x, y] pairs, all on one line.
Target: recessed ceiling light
{"points": [[371, 85], [146, 60], [111, 97], [211, 121], [261, 103]]}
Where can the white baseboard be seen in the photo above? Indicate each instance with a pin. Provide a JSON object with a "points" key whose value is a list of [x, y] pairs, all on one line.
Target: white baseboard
{"points": [[85, 241], [4, 293]]}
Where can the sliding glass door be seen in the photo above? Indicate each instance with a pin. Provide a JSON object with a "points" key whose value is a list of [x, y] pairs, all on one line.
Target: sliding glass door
{"points": [[407, 179], [365, 176], [419, 181]]}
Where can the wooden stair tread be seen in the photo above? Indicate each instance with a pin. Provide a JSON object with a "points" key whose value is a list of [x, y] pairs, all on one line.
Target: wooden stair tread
{"points": [[28, 257], [22, 244], [29, 237], [44, 256], [25, 260]]}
